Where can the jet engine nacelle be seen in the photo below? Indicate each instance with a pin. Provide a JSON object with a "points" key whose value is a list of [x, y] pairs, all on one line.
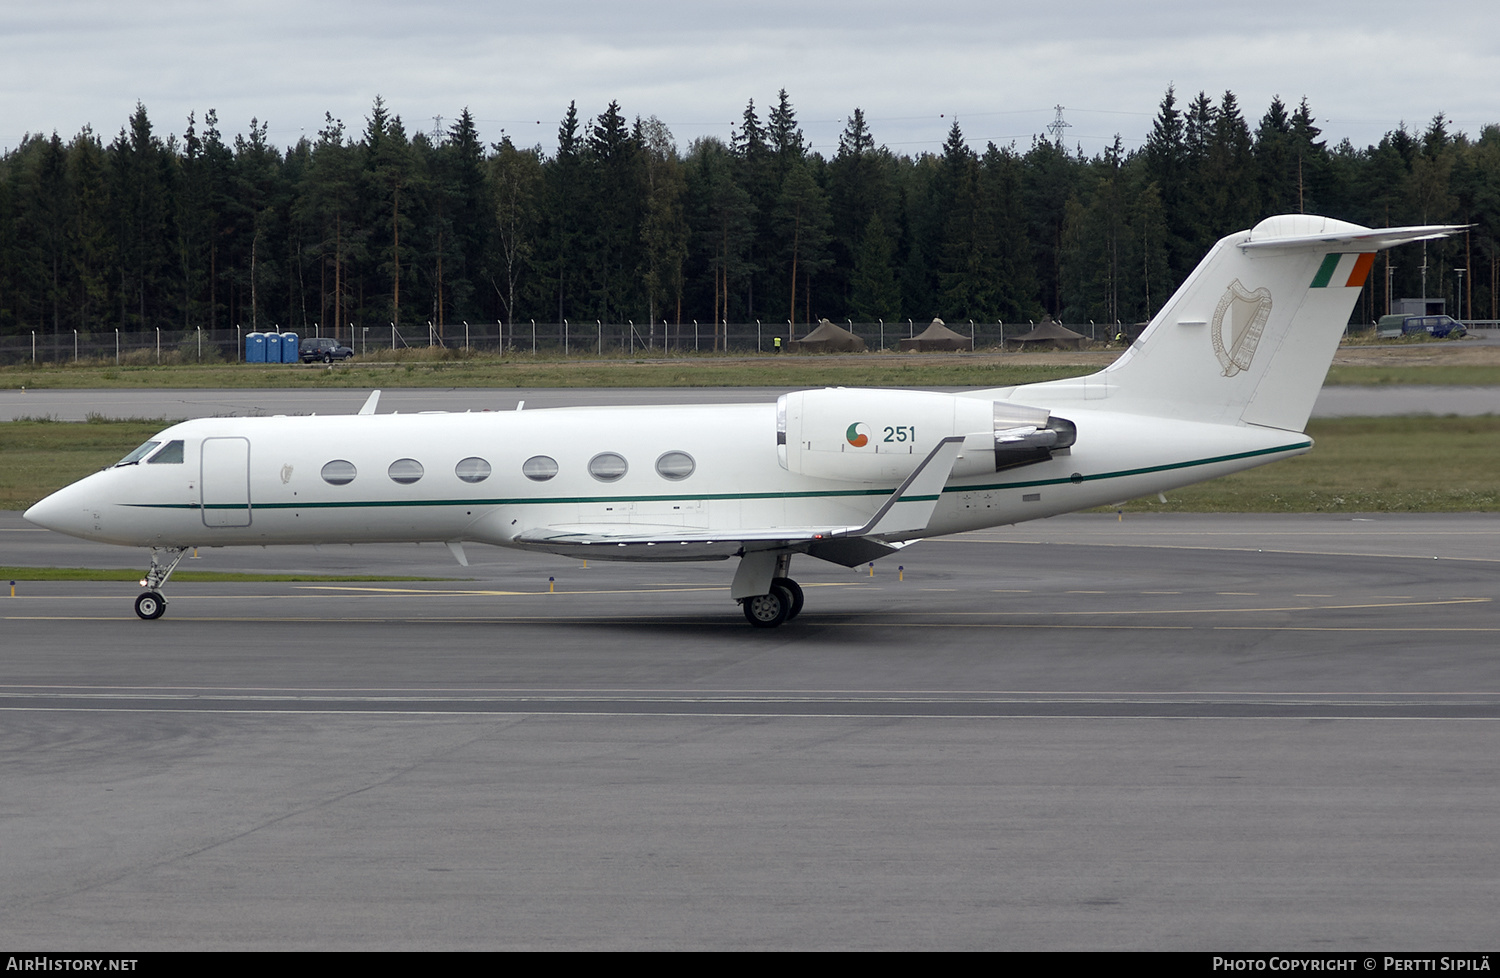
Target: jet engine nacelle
{"points": [[882, 435]]}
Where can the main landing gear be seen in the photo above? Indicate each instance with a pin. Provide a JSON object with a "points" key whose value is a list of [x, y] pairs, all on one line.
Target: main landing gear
{"points": [[152, 604], [763, 589], [769, 610]]}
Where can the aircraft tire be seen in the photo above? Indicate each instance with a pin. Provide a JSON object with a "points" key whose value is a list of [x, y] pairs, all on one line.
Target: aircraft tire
{"points": [[768, 610], [795, 590], [150, 605]]}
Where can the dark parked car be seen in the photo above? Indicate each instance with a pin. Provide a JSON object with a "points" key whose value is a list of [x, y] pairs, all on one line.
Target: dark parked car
{"points": [[322, 348], [1436, 326]]}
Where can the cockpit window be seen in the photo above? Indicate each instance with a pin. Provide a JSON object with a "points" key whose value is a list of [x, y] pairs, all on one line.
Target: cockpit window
{"points": [[138, 454], [170, 455]]}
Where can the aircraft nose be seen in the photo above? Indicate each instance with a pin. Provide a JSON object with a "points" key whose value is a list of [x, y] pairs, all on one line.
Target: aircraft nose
{"points": [[63, 511]]}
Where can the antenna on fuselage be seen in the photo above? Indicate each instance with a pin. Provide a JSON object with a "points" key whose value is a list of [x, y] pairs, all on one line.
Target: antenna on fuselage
{"points": [[370, 403]]}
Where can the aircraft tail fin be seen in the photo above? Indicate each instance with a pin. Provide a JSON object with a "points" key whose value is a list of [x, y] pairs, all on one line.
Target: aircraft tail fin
{"points": [[1249, 336]]}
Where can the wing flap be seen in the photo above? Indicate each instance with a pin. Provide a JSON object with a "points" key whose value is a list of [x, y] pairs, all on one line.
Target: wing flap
{"points": [[634, 541]]}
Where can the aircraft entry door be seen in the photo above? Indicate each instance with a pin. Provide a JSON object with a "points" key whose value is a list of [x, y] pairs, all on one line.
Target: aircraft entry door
{"points": [[225, 481]]}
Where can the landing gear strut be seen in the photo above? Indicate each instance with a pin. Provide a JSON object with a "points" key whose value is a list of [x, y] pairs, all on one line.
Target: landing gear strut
{"points": [[152, 604]]}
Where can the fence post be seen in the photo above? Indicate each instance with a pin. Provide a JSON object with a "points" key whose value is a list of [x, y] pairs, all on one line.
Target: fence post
{"points": [[158, 346]]}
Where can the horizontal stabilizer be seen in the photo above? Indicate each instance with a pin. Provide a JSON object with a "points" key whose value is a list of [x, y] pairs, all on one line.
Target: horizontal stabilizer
{"points": [[1361, 239]]}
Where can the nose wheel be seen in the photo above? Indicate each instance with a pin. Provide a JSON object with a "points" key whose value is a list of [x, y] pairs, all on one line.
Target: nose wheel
{"points": [[150, 605]]}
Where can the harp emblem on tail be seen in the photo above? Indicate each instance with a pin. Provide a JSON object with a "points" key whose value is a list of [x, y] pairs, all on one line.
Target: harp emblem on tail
{"points": [[1237, 324]]}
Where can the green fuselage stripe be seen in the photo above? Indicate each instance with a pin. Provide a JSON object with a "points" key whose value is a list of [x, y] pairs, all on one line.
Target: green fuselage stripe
{"points": [[822, 494]]}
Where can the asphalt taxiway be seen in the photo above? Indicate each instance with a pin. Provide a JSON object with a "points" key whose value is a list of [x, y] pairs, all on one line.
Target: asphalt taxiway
{"points": [[1183, 732]]}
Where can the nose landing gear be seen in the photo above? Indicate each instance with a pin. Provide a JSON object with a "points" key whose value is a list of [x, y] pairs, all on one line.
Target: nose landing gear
{"points": [[152, 604]]}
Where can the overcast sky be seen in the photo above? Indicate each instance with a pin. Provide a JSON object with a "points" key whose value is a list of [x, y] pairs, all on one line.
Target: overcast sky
{"points": [[914, 66]]}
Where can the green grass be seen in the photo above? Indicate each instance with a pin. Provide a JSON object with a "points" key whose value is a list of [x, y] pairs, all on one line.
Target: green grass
{"points": [[1363, 465], [1457, 375], [1359, 465], [39, 456], [480, 370], [418, 368], [201, 577]]}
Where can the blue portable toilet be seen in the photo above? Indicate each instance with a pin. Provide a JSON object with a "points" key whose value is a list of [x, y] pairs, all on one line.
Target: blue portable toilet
{"points": [[273, 348], [255, 348], [288, 347]]}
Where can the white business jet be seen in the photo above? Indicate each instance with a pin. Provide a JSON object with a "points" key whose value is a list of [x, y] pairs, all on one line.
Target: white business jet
{"points": [[1223, 379]]}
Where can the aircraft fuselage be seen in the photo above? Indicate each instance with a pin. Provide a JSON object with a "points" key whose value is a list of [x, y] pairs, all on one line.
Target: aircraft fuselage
{"points": [[420, 477]]}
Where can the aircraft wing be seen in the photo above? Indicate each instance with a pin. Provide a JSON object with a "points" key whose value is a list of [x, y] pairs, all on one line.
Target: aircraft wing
{"points": [[602, 541], [905, 511]]}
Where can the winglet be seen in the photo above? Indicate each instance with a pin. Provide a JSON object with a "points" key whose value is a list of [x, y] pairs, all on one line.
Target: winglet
{"points": [[370, 403], [910, 507]]}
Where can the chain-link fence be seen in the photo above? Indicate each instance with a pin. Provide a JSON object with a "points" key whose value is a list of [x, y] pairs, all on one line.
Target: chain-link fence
{"points": [[581, 339]]}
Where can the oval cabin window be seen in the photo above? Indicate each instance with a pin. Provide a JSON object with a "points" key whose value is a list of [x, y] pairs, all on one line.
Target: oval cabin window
{"points": [[405, 471], [539, 468], [608, 467], [339, 472], [675, 466], [472, 470]]}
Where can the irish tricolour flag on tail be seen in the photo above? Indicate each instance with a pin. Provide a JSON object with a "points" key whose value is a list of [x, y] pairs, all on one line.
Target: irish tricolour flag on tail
{"points": [[1343, 271]]}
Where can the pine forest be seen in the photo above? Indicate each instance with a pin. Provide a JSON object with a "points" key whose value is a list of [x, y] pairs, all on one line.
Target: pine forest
{"points": [[390, 228]]}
